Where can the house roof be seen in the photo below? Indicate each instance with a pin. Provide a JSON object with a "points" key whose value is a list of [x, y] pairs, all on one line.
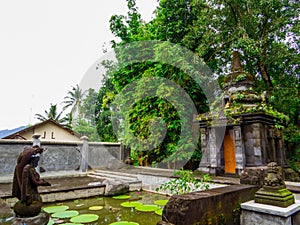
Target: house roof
{"points": [[5, 133], [19, 132]]}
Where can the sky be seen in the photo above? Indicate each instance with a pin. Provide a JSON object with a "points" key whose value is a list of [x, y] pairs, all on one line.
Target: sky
{"points": [[46, 47]]}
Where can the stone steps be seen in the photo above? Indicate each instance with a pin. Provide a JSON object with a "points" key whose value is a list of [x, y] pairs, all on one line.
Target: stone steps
{"points": [[134, 183], [113, 175]]}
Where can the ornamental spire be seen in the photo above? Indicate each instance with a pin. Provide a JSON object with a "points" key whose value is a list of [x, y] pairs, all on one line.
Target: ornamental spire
{"points": [[236, 65]]}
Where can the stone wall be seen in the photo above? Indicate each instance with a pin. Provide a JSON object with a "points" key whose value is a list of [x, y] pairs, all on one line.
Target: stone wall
{"points": [[214, 206], [101, 154], [59, 155]]}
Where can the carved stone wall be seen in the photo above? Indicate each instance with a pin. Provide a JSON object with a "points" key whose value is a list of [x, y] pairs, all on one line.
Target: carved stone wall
{"points": [[59, 155], [239, 149]]}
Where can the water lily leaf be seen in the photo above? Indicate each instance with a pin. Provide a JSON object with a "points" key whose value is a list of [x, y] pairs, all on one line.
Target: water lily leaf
{"points": [[131, 204], [84, 218], [159, 212], [57, 208], [76, 201], [124, 223], [51, 222], [161, 202], [71, 224], [121, 197], [96, 207], [147, 208], [65, 214]]}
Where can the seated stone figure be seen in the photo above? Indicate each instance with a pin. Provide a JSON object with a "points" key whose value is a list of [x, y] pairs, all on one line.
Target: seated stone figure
{"points": [[274, 177], [26, 181], [274, 191]]}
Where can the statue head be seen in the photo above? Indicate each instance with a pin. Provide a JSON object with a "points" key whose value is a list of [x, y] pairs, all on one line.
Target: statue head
{"points": [[273, 167]]}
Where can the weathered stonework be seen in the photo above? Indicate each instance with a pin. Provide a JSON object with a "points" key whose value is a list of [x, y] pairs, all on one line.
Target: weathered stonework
{"points": [[59, 155], [255, 213], [41, 219], [115, 187], [254, 175], [250, 122], [208, 207], [274, 191]]}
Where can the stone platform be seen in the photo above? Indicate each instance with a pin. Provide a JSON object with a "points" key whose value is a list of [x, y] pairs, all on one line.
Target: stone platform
{"points": [[41, 219], [62, 188], [66, 185], [256, 213]]}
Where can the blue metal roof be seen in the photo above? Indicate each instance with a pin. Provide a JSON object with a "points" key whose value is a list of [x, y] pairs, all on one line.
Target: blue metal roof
{"points": [[5, 133]]}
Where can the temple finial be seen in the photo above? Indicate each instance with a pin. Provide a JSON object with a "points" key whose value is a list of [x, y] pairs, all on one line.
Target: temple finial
{"points": [[236, 62]]}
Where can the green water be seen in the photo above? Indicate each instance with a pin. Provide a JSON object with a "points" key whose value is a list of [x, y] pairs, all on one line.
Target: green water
{"points": [[112, 210]]}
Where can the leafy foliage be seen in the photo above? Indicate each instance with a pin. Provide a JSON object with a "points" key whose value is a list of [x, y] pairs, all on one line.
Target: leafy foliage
{"points": [[74, 100], [102, 110], [185, 183], [51, 114], [131, 28], [266, 33]]}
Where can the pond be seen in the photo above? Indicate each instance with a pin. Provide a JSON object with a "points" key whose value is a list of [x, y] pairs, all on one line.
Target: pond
{"points": [[110, 210]]}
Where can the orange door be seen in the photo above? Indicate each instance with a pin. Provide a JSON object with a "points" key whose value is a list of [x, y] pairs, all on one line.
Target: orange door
{"points": [[229, 153]]}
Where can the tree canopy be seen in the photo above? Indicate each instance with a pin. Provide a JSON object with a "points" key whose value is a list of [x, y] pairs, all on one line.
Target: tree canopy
{"points": [[266, 33]]}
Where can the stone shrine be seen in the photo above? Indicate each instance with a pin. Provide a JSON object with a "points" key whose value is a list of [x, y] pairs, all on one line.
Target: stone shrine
{"points": [[253, 134]]}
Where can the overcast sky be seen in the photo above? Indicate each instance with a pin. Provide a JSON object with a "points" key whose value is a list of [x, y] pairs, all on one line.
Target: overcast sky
{"points": [[46, 47]]}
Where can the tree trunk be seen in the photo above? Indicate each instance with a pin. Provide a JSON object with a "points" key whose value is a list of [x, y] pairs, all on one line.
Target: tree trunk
{"points": [[265, 76]]}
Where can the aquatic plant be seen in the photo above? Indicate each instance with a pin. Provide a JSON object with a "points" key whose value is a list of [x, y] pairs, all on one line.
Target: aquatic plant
{"points": [[186, 182]]}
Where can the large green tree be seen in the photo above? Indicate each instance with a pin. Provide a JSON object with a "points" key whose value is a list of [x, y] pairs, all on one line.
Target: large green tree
{"points": [[265, 32], [130, 29]]}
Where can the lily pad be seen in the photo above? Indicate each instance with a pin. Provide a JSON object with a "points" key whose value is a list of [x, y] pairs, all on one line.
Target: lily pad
{"points": [[159, 212], [57, 208], [51, 222], [131, 204], [96, 207], [124, 223], [161, 202], [65, 214], [147, 208], [121, 197], [84, 218], [71, 224]]}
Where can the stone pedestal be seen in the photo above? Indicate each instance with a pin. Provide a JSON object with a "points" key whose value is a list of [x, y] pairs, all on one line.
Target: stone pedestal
{"points": [[274, 191], [256, 213], [279, 197], [41, 219]]}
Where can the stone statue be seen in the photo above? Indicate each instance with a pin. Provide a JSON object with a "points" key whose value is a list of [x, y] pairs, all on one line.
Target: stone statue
{"points": [[26, 181], [274, 177], [274, 191]]}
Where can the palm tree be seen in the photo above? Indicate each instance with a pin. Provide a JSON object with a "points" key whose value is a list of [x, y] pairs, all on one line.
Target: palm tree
{"points": [[74, 99], [67, 121], [51, 114]]}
